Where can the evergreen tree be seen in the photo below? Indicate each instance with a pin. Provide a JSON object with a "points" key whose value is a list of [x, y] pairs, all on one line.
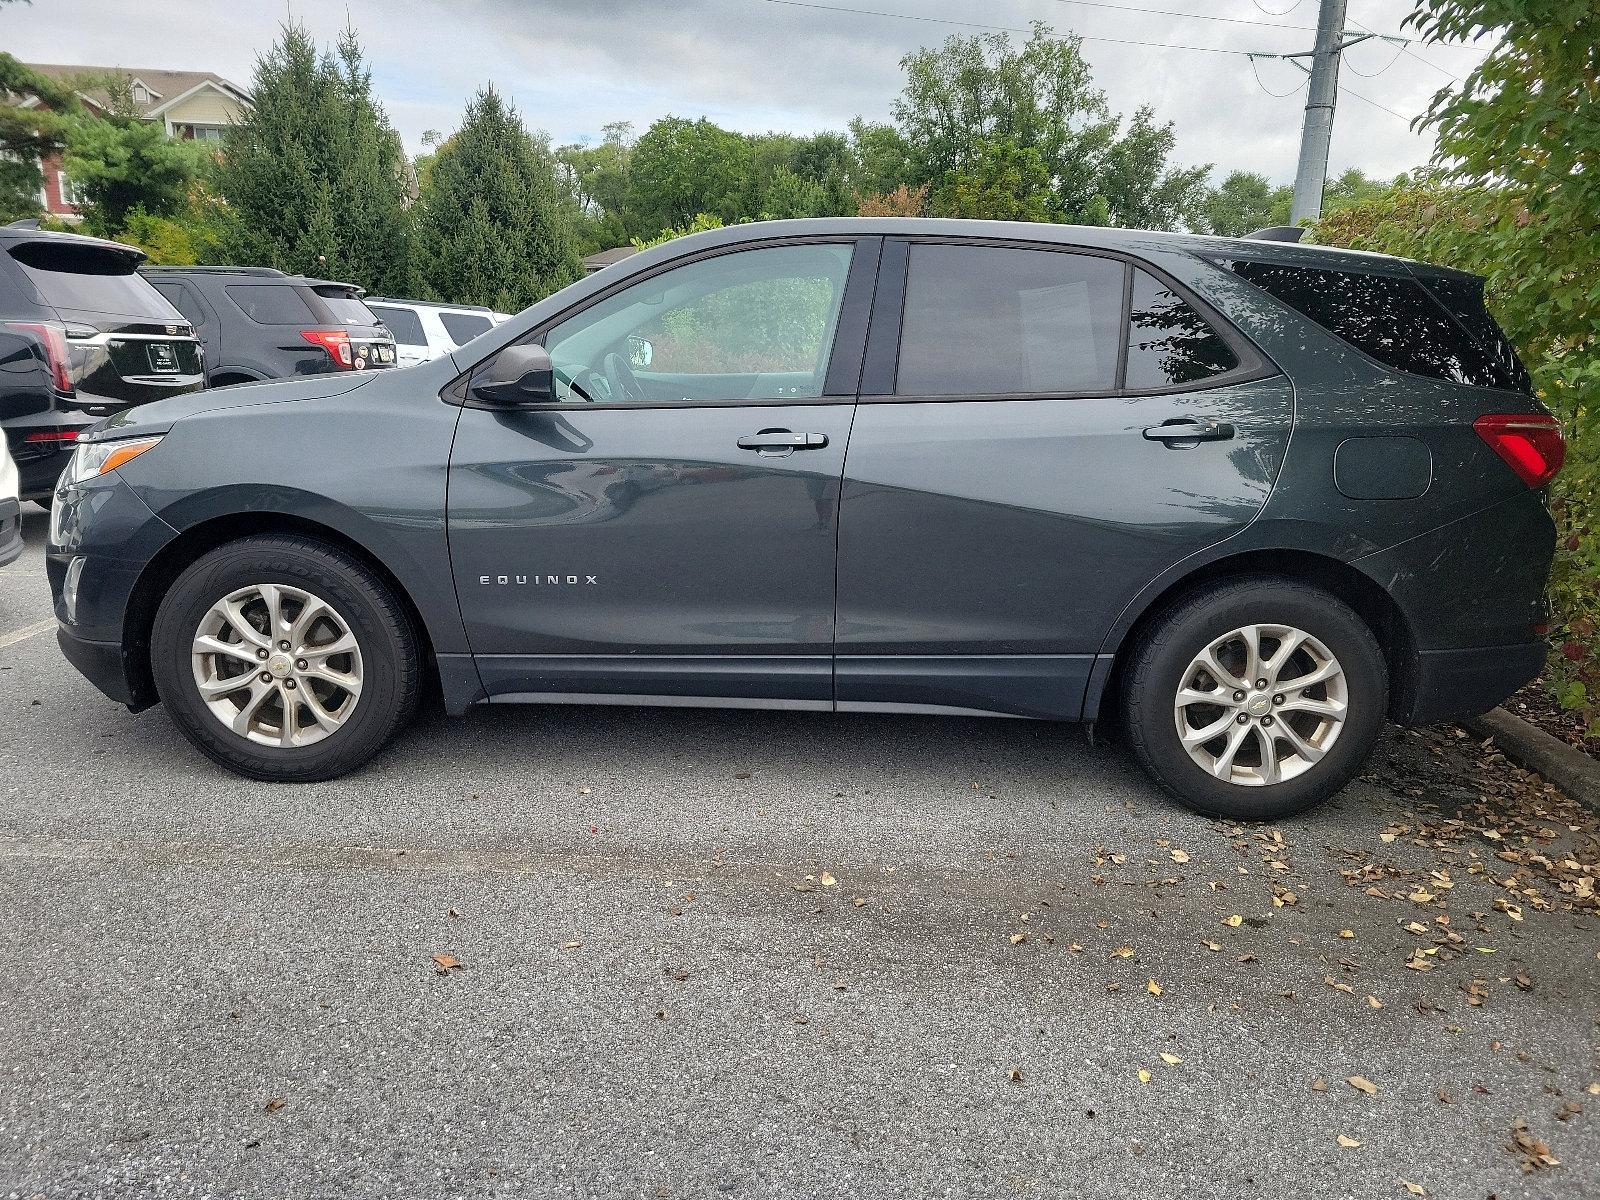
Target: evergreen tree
{"points": [[496, 226], [28, 134], [315, 177]]}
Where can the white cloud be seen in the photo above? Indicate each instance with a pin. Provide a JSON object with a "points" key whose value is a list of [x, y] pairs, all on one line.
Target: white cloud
{"points": [[574, 65]]}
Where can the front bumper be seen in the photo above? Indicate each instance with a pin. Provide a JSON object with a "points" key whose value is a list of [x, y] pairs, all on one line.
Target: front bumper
{"points": [[104, 664]]}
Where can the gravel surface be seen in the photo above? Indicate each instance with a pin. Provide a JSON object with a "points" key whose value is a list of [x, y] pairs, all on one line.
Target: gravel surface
{"points": [[691, 953]]}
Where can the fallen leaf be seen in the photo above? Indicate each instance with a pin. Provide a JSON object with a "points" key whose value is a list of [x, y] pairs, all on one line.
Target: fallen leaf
{"points": [[1346, 933], [858, 901], [1593, 1089], [445, 963], [1153, 988], [1122, 952], [1171, 1060], [275, 1103], [1178, 856], [827, 880], [1535, 1153], [1414, 1188], [1236, 920], [1319, 1084], [452, 914], [570, 945], [1362, 1084], [1374, 1002], [1017, 938], [1349, 1143], [1144, 1076], [1015, 1075], [1213, 945]]}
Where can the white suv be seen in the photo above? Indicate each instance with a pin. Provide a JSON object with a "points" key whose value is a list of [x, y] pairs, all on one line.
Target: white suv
{"points": [[424, 330]]}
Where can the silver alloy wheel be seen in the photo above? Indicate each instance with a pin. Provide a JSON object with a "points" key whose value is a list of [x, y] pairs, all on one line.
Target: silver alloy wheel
{"points": [[277, 665], [1261, 705]]}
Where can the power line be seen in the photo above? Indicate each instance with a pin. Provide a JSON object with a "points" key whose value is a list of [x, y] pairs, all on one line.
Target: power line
{"points": [[1349, 91], [1275, 95], [1354, 70], [1284, 13], [1189, 16]]}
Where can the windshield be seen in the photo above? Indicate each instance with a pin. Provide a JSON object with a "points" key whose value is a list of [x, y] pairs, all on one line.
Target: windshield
{"points": [[91, 279]]}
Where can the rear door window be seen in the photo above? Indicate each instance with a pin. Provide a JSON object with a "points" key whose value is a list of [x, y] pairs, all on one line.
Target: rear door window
{"points": [[403, 323], [346, 307], [1389, 317], [90, 279], [1169, 342], [988, 320], [271, 303], [463, 327]]}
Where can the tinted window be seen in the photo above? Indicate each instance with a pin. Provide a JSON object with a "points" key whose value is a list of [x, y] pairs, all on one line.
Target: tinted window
{"points": [[271, 303], [184, 301], [1389, 317], [752, 325], [981, 320], [90, 279], [463, 327], [403, 323], [1168, 341], [1463, 299], [346, 307]]}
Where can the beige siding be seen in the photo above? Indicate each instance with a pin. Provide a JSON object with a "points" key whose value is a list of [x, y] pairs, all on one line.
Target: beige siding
{"points": [[206, 107]]}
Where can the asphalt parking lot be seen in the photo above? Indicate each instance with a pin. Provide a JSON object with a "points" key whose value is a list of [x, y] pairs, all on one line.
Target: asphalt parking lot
{"points": [[596, 952]]}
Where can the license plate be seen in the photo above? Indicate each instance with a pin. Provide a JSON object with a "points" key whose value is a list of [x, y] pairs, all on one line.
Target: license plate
{"points": [[162, 359]]}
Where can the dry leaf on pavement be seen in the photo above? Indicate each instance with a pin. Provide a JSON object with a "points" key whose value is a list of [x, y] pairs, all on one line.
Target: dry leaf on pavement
{"points": [[445, 963], [1349, 1143], [1362, 1084]]}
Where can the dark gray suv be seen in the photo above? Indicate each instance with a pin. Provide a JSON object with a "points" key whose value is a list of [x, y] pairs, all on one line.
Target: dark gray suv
{"points": [[1248, 498]]}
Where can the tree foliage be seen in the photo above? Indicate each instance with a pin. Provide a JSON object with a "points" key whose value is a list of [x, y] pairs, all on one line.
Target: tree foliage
{"points": [[315, 177], [28, 135], [496, 226]]}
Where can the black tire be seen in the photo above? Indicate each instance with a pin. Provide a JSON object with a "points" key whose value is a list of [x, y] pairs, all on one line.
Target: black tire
{"points": [[382, 629], [1160, 659]]}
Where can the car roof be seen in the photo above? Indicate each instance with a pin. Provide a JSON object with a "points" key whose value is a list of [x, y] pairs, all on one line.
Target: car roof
{"points": [[261, 274], [17, 235], [466, 308], [1086, 236]]}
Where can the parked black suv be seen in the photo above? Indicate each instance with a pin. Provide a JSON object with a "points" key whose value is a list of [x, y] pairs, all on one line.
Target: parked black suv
{"points": [[1247, 498], [81, 335], [258, 323]]}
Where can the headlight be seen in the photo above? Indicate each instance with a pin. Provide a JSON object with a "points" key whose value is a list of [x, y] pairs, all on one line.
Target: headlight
{"points": [[93, 459]]}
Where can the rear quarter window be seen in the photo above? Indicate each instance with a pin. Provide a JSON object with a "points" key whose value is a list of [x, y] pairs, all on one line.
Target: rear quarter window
{"points": [[90, 279], [345, 307], [271, 303], [1388, 317], [402, 322], [463, 327]]}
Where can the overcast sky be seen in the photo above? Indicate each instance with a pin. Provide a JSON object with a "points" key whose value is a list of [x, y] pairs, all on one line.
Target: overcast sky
{"points": [[574, 65]]}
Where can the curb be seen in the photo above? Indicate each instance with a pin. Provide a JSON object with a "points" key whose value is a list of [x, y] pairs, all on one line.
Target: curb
{"points": [[1530, 747]]}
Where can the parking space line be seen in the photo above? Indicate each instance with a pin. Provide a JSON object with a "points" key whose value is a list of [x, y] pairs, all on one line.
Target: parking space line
{"points": [[26, 632]]}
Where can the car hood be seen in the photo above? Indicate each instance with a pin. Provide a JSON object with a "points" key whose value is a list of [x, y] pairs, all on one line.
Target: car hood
{"points": [[161, 415]]}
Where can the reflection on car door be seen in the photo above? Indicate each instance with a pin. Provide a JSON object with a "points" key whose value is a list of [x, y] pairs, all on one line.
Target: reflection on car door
{"points": [[671, 532], [1055, 431]]}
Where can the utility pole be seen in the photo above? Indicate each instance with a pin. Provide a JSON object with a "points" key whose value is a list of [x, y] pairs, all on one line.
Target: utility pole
{"points": [[1321, 95]]}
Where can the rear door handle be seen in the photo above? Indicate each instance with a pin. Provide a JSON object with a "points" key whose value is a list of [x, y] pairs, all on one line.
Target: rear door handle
{"points": [[1189, 429], [781, 441]]}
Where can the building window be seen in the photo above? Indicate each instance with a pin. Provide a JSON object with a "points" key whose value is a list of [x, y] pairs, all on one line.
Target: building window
{"points": [[69, 194], [198, 133]]}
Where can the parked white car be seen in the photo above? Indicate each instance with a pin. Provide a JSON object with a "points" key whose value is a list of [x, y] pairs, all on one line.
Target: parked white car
{"points": [[10, 508], [424, 330]]}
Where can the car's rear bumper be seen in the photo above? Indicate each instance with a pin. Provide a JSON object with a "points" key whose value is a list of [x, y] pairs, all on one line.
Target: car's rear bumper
{"points": [[1448, 684]]}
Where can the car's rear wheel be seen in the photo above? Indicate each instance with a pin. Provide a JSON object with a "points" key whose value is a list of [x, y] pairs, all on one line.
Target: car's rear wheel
{"points": [[1256, 699], [284, 659]]}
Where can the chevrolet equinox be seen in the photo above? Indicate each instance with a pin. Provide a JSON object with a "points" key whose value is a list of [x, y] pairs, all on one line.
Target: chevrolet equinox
{"points": [[1248, 498]]}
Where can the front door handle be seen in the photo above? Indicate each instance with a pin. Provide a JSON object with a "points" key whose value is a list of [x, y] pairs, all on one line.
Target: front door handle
{"points": [[781, 441], [1189, 429]]}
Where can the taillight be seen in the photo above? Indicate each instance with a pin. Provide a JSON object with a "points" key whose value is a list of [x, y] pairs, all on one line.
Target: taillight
{"points": [[1530, 443], [335, 341], [53, 338], [53, 435]]}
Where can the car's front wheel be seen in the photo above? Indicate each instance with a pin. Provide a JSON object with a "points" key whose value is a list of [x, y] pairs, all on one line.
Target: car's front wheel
{"points": [[284, 659], [1256, 699]]}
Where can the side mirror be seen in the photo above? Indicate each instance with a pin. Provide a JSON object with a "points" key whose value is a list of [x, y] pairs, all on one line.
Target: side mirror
{"points": [[518, 376], [641, 353]]}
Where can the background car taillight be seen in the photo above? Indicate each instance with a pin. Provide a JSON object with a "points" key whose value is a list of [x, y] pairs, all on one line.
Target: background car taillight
{"points": [[335, 341], [53, 339], [1530, 443]]}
